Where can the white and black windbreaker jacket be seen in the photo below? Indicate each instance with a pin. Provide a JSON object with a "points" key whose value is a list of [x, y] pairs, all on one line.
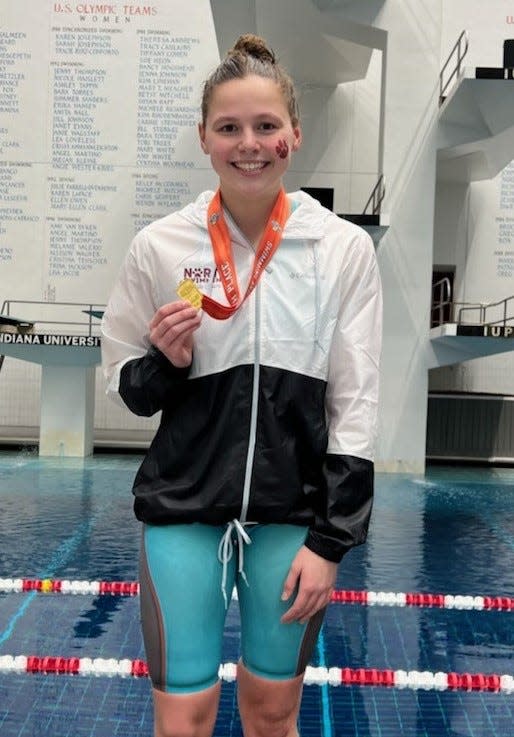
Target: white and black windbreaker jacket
{"points": [[275, 420]]}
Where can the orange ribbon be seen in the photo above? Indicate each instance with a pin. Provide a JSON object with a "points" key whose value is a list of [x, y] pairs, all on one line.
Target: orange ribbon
{"points": [[222, 249]]}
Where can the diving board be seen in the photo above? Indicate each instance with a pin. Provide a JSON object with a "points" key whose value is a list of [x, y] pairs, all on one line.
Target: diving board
{"points": [[95, 313]]}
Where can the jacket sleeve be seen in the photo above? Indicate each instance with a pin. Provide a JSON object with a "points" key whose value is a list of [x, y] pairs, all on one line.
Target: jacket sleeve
{"points": [[345, 502], [137, 374]]}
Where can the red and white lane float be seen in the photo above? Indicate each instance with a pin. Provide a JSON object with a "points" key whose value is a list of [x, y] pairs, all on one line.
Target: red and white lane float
{"points": [[424, 680], [365, 598], [415, 680], [54, 586]]}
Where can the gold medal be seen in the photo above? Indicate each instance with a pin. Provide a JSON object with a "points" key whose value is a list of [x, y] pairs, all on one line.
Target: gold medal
{"points": [[188, 291]]}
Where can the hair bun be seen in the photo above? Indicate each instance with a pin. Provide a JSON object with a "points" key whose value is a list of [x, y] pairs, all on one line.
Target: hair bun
{"points": [[255, 46], [250, 56]]}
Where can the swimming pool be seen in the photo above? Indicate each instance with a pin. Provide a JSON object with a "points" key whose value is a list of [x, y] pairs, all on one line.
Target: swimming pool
{"points": [[448, 532]]}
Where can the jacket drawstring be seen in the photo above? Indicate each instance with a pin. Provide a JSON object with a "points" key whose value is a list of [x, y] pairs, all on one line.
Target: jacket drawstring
{"points": [[317, 299], [226, 550]]}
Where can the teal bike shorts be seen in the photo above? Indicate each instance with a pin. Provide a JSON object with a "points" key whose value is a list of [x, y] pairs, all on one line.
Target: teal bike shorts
{"points": [[183, 608]]}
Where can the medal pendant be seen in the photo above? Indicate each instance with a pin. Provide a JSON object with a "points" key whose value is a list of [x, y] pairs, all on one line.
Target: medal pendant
{"points": [[188, 291]]}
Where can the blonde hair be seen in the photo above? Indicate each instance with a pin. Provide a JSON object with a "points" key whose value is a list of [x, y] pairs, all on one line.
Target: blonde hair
{"points": [[251, 55]]}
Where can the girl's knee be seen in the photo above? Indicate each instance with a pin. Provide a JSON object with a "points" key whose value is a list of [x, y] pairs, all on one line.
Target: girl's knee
{"points": [[268, 708], [186, 715], [272, 722]]}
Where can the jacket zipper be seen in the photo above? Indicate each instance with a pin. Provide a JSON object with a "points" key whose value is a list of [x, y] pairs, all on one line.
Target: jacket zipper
{"points": [[250, 455]]}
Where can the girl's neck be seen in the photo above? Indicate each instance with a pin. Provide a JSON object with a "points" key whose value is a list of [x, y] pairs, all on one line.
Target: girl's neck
{"points": [[250, 215]]}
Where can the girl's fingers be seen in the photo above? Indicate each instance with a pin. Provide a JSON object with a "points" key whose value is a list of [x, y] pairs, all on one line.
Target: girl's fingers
{"points": [[166, 334], [176, 321], [172, 312]]}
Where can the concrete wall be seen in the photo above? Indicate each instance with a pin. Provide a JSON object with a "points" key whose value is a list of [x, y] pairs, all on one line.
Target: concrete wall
{"points": [[405, 253]]}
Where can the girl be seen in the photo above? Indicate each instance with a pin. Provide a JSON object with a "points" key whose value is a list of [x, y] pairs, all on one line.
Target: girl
{"points": [[266, 370]]}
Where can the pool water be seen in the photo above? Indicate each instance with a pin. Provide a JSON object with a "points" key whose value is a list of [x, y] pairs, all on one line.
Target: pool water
{"points": [[449, 531]]}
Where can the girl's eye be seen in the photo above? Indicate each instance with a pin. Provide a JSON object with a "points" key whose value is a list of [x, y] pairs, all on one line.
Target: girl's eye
{"points": [[227, 128], [267, 126]]}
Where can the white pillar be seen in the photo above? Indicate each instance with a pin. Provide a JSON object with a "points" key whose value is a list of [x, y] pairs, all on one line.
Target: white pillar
{"points": [[67, 410]]}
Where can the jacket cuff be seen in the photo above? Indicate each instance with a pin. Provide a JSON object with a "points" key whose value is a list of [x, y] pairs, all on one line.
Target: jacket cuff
{"points": [[325, 547], [164, 363], [150, 383], [344, 508]]}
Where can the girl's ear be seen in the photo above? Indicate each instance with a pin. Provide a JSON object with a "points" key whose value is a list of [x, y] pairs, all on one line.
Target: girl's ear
{"points": [[297, 141], [201, 133]]}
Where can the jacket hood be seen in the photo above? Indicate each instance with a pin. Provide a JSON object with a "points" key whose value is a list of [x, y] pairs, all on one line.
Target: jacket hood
{"points": [[307, 220]]}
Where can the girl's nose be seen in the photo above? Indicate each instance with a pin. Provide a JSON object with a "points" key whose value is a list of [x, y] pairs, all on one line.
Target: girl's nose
{"points": [[248, 140]]}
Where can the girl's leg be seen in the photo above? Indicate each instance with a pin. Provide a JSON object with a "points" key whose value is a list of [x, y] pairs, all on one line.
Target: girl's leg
{"points": [[183, 616], [274, 655], [268, 708], [186, 715]]}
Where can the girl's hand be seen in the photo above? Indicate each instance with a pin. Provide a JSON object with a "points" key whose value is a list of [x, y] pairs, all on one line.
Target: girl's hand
{"points": [[171, 331], [314, 577]]}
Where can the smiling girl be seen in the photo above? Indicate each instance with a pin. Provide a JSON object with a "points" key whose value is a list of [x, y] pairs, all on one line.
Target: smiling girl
{"points": [[260, 475]]}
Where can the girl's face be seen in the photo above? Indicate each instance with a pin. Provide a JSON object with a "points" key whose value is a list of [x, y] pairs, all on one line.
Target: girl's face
{"points": [[249, 136]]}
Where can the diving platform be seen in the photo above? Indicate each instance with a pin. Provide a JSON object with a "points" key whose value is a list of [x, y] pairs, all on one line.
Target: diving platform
{"points": [[371, 219], [10, 324], [67, 347], [375, 225], [339, 50], [476, 127], [453, 343]]}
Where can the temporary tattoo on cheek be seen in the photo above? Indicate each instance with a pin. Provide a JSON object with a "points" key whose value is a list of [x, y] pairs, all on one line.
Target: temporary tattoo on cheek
{"points": [[282, 149]]}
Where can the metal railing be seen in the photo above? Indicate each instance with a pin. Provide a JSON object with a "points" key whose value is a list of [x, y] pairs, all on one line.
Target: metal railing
{"points": [[444, 310], [90, 323], [483, 308], [461, 48], [441, 301], [376, 197]]}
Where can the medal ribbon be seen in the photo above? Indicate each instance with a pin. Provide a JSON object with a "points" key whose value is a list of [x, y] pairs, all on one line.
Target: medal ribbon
{"points": [[222, 249]]}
